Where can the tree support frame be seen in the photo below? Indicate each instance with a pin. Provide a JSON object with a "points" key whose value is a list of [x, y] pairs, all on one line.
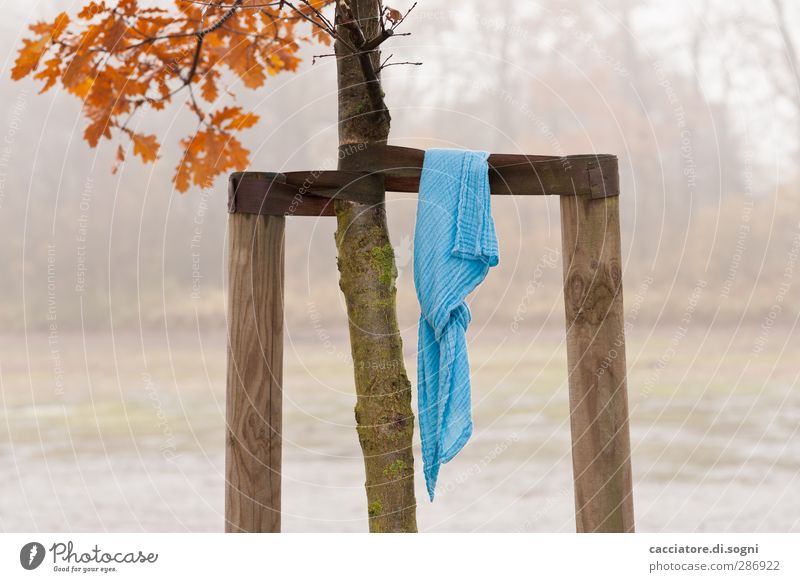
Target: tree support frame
{"points": [[259, 202]]}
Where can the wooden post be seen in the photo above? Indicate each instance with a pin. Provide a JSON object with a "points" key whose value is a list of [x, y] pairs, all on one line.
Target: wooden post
{"points": [[255, 373], [601, 450]]}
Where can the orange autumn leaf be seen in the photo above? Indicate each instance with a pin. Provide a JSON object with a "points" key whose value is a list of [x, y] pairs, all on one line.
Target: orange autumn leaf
{"points": [[145, 146], [209, 89], [393, 16], [119, 159], [244, 121], [29, 56], [78, 70], [33, 49], [50, 73], [114, 33], [233, 118], [206, 155], [91, 10], [122, 58]]}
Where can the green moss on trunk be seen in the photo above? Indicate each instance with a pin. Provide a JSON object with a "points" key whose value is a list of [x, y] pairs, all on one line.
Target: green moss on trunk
{"points": [[384, 419]]}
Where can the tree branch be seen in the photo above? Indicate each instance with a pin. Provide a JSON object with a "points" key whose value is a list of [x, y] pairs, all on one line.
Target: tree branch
{"points": [[374, 43]]}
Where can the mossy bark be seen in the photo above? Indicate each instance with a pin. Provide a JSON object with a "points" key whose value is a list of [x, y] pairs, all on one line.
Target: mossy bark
{"points": [[384, 419]]}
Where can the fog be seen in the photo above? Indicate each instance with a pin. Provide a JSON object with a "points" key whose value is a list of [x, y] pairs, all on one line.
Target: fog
{"points": [[113, 285]]}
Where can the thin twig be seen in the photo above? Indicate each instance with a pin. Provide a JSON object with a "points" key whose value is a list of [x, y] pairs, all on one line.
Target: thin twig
{"points": [[315, 57], [319, 14], [213, 5], [197, 33], [399, 22], [394, 64]]}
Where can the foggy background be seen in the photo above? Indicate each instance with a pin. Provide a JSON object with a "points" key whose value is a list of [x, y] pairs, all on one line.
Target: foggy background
{"points": [[112, 364]]}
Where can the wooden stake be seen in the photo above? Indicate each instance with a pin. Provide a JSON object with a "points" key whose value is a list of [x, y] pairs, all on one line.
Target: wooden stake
{"points": [[255, 373], [598, 397]]}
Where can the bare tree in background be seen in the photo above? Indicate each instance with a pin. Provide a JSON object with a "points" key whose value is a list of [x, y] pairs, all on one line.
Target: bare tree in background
{"points": [[791, 90]]}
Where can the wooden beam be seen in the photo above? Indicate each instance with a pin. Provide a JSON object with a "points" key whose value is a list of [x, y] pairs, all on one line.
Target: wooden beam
{"points": [[601, 451], [399, 169], [589, 188], [509, 174], [255, 373]]}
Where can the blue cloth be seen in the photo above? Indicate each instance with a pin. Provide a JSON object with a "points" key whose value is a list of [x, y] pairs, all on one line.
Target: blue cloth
{"points": [[454, 246]]}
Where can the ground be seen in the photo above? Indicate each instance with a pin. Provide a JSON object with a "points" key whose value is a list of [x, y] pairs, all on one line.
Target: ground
{"points": [[131, 446]]}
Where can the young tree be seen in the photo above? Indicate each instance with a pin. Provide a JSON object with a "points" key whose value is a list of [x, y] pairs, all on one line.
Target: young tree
{"points": [[122, 59]]}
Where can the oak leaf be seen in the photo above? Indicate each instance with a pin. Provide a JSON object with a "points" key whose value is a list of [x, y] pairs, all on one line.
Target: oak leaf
{"points": [[120, 59], [145, 146]]}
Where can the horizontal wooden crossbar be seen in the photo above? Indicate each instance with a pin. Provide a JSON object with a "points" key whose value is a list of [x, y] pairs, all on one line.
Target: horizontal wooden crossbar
{"points": [[376, 168], [595, 324]]}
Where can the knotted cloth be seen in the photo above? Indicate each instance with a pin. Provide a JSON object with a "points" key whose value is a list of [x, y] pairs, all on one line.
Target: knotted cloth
{"points": [[454, 245]]}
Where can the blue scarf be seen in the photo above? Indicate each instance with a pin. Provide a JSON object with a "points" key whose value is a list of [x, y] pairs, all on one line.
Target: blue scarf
{"points": [[454, 246]]}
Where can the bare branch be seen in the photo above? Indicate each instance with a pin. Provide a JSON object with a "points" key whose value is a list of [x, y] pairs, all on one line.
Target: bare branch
{"points": [[315, 57], [399, 22], [399, 63], [318, 14], [386, 63], [197, 33], [225, 17], [374, 43], [386, 33], [215, 5], [322, 22]]}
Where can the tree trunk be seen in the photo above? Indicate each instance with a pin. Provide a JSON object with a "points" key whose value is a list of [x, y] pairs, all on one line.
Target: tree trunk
{"points": [[367, 271]]}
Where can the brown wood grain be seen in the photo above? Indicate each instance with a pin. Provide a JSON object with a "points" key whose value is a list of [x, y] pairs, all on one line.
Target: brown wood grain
{"points": [[589, 188], [255, 373], [399, 169], [601, 453]]}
